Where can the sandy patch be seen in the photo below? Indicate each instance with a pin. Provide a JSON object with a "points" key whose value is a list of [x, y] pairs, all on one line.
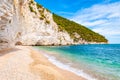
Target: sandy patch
{"points": [[25, 63], [48, 71]]}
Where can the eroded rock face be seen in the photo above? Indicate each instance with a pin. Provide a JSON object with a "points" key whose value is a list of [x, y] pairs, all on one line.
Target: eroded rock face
{"points": [[24, 22], [6, 14]]}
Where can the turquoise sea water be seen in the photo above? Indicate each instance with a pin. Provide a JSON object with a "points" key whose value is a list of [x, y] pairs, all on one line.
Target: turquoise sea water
{"points": [[101, 62]]}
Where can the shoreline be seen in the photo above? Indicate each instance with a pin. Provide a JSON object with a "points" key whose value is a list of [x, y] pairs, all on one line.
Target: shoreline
{"points": [[30, 64], [55, 59]]}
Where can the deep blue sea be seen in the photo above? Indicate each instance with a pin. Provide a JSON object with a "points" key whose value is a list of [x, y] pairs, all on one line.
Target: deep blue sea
{"points": [[93, 61]]}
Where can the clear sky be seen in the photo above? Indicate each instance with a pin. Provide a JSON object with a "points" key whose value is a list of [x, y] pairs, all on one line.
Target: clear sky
{"points": [[102, 16]]}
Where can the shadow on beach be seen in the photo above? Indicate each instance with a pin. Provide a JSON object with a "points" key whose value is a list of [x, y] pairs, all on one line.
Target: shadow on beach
{"points": [[6, 51]]}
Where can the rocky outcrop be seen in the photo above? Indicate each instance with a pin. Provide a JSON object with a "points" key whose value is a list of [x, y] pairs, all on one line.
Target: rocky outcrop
{"points": [[25, 22]]}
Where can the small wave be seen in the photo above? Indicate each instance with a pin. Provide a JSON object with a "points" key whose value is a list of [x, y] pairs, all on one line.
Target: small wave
{"points": [[69, 68]]}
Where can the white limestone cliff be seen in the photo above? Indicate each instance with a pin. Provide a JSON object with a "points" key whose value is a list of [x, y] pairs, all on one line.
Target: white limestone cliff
{"points": [[24, 22]]}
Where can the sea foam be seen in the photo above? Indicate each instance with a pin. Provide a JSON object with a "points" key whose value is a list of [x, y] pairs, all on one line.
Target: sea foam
{"points": [[61, 65]]}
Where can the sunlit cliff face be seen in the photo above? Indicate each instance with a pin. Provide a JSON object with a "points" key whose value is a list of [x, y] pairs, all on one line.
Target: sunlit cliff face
{"points": [[25, 22]]}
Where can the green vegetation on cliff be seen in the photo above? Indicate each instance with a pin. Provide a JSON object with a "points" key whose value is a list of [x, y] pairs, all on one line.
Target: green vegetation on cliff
{"points": [[75, 30], [72, 28]]}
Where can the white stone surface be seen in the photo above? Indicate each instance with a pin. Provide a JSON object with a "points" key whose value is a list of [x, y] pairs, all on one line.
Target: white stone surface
{"points": [[19, 24]]}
